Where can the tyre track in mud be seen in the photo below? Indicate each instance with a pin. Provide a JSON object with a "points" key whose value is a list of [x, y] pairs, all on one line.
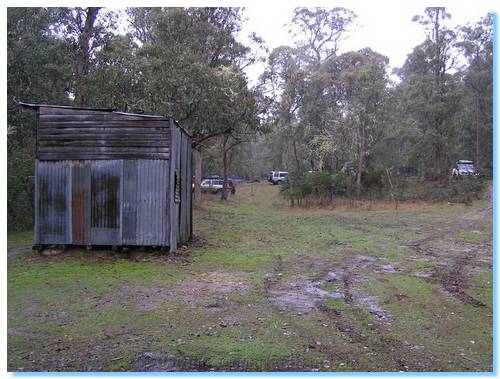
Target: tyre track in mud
{"points": [[374, 334], [450, 273], [272, 281]]}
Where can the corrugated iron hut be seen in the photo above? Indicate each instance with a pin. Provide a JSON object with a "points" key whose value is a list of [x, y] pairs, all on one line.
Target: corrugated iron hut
{"points": [[109, 178]]}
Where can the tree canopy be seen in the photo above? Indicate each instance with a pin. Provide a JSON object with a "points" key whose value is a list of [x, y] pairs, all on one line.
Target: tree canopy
{"points": [[315, 107]]}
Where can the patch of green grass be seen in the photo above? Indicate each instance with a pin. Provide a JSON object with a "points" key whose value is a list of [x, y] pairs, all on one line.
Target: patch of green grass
{"points": [[477, 236], [277, 342], [254, 353], [330, 287], [20, 239], [338, 304], [424, 316], [122, 364], [480, 288]]}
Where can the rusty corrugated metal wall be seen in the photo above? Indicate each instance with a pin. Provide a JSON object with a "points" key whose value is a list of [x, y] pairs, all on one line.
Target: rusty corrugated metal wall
{"points": [[113, 202], [80, 199], [152, 222], [53, 199], [105, 202]]}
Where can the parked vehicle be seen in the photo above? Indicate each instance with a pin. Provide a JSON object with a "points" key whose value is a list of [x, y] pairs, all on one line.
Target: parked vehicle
{"points": [[464, 168], [212, 185], [236, 180], [277, 177]]}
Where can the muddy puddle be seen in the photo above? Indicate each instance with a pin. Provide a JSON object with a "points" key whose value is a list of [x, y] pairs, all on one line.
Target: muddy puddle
{"points": [[342, 282]]}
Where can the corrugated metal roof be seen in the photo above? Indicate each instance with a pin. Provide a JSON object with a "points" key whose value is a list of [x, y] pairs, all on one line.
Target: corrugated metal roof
{"points": [[34, 105], [141, 115], [109, 110]]}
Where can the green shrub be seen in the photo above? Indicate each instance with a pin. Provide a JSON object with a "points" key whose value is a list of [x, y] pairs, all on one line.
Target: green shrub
{"points": [[343, 184], [457, 190], [321, 185], [373, 179]]}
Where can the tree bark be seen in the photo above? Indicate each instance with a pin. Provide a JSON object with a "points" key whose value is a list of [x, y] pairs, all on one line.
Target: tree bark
{"points": [[225, 167], [360, 161], [478, 146], [296, 155], [83, 64], [438, 154], [198, 159]]}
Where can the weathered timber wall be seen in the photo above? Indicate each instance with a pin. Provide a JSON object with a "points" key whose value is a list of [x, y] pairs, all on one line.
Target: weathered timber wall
{"points": [[84, 134]]}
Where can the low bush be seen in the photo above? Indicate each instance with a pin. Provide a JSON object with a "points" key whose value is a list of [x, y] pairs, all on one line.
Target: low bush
{"points": [[302, 188], [373, 179], [455, 190]]}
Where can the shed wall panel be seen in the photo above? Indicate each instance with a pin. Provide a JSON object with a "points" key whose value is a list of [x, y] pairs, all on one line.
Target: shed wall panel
{"points": [[82, 134], [174, 173], [183, 232], [105, 200], [80, 202], [152, 180], [129, 204], [189, 163], [54, 202]]}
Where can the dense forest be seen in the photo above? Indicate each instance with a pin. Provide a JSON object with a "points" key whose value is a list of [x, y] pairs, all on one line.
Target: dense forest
{"points": [[313, 108]]}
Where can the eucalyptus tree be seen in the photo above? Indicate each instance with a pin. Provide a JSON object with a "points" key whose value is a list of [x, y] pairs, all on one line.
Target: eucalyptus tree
{"points": [[183, 52], [38, 69], [319, 31], [294, 74], [363, 84], [87, 30], [319, 34], [476, 43], [115, 79], [284, 80], [431, 91]]}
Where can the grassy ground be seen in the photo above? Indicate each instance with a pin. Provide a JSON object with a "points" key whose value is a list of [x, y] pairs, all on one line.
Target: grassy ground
{"points": [[20, 239], [265, 287]]}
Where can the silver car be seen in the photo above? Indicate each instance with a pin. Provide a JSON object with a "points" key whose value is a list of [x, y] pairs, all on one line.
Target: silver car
{"points": [[212, 185], [277, 177]]}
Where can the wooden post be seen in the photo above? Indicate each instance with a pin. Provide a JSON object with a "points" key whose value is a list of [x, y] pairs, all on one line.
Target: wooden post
{"points": [[197, 157]]}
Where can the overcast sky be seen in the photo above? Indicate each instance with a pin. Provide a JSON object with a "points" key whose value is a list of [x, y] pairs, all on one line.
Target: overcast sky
{"points": [[384, 26]]}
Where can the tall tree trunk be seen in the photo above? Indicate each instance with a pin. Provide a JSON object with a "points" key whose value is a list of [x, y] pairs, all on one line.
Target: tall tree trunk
{"points": [[478, 146], [438, 154], [83, 64], [197, 158], [225, 166], [296, 155], [358, 176], [360, 161]]}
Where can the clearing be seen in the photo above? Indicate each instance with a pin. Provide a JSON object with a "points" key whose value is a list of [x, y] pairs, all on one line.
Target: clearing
{"points": [[266, 287]]}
